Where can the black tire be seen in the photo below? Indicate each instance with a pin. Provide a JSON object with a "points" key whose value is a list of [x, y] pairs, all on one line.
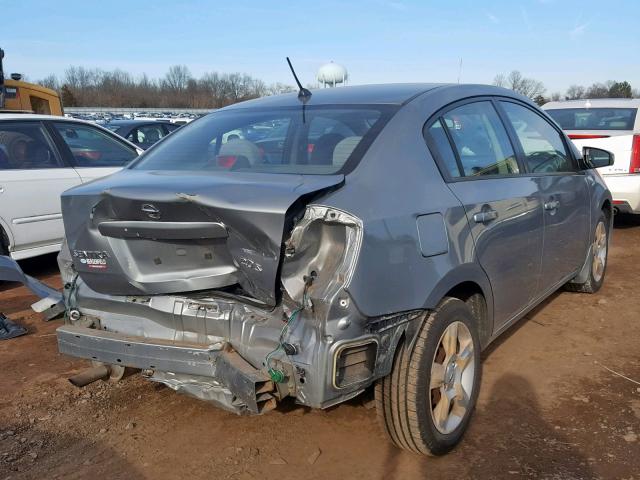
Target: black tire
{"points": [[404, 399], [594, 282], [4, 243]]}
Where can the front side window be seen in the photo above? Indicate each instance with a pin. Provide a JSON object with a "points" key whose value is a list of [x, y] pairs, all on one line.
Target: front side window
{"points": [[480, 140], [91, 147], [542, 144], [25, 146], [313, 140]]}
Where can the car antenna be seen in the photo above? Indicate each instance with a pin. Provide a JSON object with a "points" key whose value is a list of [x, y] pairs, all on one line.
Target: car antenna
{"points": [[303, 94], [1, 80]]}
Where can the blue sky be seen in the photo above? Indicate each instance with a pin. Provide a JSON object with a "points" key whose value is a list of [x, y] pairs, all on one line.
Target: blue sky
{"points": [[558, 42]]}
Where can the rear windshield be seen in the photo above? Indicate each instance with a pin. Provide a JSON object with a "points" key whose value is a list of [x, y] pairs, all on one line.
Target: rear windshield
{"points": [[313, 140], [594, 118]]}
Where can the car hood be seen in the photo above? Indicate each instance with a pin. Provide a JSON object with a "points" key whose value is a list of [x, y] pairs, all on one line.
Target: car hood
{"points": [[147, 232]]}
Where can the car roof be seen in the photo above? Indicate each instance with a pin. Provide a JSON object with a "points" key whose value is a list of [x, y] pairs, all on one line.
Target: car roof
{"points": [[595, 103], [392, 94], [7, 115]]}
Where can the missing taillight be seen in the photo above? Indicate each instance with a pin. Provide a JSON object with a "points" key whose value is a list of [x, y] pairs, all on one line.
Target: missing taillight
{"points": [[326, 240]]}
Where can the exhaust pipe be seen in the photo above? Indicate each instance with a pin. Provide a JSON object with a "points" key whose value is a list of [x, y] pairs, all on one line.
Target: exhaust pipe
{"points": [[90, 375]]}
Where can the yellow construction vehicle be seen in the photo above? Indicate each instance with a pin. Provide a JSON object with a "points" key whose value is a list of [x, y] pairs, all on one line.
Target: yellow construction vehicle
{"points": [[17, 95]]}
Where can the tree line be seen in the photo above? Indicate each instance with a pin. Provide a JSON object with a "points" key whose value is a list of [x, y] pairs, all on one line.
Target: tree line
{"points": [[178, 88], [536, 90]]}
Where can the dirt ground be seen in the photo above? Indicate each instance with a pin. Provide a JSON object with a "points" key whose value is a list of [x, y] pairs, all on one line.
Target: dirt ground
{"points": [[549, 406]]}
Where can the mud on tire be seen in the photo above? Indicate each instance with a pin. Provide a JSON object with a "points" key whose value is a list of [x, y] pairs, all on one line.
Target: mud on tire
{"points": [[405, 398]]}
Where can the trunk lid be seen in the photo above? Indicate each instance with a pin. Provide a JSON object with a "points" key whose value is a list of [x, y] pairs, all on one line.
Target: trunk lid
{"points": [[149, 232]]}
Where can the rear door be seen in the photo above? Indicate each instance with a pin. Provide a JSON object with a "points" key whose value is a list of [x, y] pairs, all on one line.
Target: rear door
{"points": [[93, 152], [563, 187], [32, 178], [503, 206]]}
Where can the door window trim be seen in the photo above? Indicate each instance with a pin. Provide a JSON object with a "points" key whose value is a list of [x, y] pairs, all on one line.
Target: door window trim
{"points": [[436, 154], [520, 152], [51, 143]]}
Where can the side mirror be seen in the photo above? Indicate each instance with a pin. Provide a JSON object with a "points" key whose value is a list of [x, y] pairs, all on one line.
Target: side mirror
{"points": [[596, 157]]}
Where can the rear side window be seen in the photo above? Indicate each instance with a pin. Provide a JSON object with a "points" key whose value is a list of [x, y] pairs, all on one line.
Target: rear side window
{"points": [[542, 144], [26, 146], [594, 118], [480, 140], [440, 142], [91, 147]]}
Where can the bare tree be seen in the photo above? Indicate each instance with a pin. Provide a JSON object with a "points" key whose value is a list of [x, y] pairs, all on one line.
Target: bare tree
{"points": [[515, 81], [597, 90], [177, 78], [575, 92], [82, 86], [50, 81]]}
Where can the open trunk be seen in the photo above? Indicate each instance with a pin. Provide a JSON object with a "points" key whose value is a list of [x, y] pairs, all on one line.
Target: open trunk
{"points": [[147, 232]]}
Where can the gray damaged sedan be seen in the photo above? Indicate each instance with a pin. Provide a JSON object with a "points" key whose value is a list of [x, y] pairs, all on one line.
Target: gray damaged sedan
{"points": [[313, 246]]}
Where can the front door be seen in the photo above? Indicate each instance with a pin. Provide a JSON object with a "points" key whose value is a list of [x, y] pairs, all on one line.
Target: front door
{"points": [[563, 188], [503, 207]]}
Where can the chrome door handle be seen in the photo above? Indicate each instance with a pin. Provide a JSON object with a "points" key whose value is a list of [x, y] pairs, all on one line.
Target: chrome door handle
{"points": [[1, 189], [484, 217], [552, 205]]}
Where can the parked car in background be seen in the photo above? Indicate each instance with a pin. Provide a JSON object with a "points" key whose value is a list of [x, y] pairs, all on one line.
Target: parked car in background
{"points": [[143, 133], [390, 234], [41, 157], [612, 124]]}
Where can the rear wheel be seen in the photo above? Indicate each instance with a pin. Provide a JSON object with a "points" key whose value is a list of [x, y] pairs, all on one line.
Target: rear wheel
{"points": [[597, 260], [426, 402]]}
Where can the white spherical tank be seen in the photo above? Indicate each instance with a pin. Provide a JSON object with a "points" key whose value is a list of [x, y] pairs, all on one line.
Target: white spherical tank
{"points": [[331, 74]]}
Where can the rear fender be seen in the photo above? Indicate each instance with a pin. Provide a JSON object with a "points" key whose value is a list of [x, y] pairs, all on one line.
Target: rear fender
{"points": [[468, 272]]}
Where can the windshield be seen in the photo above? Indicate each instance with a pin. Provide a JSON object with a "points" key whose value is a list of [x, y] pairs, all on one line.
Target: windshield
{"points": [[594, 118], [316, 140]]}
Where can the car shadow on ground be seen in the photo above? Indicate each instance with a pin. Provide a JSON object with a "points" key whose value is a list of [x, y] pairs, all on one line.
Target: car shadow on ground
{"points": [[514, 425], [29, 451], [626, 221]]}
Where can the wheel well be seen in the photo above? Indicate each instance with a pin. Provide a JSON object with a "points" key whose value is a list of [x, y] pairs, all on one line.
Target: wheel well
{"points": [[607, 208], [472, 295], [4, 242]]}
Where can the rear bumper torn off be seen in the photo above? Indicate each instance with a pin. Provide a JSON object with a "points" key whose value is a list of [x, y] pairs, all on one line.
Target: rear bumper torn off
{"points": [[230, 381]]}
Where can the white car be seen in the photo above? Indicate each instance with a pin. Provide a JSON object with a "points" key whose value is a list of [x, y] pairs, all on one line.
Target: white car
{"points": [[41, 156], [612, 124]]}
